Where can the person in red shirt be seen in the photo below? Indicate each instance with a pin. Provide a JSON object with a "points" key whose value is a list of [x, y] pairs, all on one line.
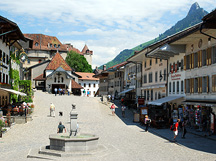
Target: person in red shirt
{"points": [[113, 109], [176, 129]]}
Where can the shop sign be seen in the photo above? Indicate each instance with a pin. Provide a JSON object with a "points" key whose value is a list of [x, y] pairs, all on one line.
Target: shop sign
{"points": [[141, 101], [175, 76]]}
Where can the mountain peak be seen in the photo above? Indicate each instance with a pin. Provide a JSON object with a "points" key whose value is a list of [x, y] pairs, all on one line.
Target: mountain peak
{"points": [[193, 8]]}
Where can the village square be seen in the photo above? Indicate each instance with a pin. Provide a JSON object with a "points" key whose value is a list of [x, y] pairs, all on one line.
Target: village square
{"points": [[155, 101]]}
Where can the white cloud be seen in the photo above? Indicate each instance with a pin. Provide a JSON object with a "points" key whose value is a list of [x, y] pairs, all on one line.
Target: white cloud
{"points": [[106, 26]]}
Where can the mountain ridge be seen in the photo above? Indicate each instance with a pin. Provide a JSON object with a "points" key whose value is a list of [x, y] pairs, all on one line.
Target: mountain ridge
{"points": [[194, 16]]}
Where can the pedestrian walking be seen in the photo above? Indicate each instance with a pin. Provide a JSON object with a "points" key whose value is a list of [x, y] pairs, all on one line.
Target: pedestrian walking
{"points": [[55, 90], [88, 92], [113, 109], [61, 128], [52, 110], [84, 92], [184, 131], [123, 110], [175, 131], [68, 90], [147, 122]]}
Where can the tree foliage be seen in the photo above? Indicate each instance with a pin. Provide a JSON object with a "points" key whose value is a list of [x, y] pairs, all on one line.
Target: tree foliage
{"points": [[78, 62]]}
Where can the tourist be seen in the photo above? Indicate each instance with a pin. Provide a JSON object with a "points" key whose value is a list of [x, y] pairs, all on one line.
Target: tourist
{"points": [[113, 109], [123, 110], [68, 90], [184, 131], [52, 110], [147, 122], [61, 128], [60, 90], [88, 93], [109, 97], [176, 129], [55, 91], [84, 92]]}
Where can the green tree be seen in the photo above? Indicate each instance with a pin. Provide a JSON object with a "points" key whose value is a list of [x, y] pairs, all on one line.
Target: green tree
{"points": [[78, 62]]}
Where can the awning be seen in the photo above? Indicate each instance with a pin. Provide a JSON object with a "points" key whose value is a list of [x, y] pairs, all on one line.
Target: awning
{"points": [[200, 102], [154, 86], [164, 100], [125, 91], [13, 91]]}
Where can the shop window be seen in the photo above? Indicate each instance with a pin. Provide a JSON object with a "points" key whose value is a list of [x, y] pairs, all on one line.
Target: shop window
{"points": [[187, 86], [173, 67], [0, 55], [182, 86], [156, 76], [170, 87], [177, 87], [4, 57], [152, 94], [3, 80], [214, 54], [204, 84], [182, 64], [164, 75], [204, 57], [145, 78], [173, 87], [213, 83], [155, 95], [7, 79], [188, 62], [3, 102], [195, 60], [147, 94], [150, 77]]}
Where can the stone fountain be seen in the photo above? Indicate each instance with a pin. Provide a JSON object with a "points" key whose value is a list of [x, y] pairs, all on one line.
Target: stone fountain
{"points": [[74, 141]]}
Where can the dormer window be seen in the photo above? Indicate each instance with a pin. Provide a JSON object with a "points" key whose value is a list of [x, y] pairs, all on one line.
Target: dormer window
{"points": [[36, 44]]}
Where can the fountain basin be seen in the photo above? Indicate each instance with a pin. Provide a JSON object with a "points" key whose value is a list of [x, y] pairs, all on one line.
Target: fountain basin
{"points": [[66, 143]]}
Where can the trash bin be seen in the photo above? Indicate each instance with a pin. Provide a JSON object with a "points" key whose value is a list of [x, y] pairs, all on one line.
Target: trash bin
{"points": [[136, 117]]}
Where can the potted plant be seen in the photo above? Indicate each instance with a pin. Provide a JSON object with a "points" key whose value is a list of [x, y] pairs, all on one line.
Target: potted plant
{"points": [[1, 125]]}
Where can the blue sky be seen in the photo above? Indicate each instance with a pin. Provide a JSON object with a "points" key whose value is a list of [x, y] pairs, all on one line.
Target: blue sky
{"points": [[106, 26]]}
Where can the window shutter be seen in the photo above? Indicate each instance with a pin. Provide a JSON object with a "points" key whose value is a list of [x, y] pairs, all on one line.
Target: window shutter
{"points": [[207, 78], [185, 86], [209, 56], [184, 62], [192, 85], [200, 58], [192, 57], [200, 84], [213, 83]]}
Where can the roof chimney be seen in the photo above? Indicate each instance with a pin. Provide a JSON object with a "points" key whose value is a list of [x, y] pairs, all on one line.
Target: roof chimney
{"points": [[104, 67]]}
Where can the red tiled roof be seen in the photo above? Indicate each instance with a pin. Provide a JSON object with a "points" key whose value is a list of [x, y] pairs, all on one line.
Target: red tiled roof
{"points": [[44, 42], [75, 85], [70, 47], [40, 78], [87, 76], [56, 62]]}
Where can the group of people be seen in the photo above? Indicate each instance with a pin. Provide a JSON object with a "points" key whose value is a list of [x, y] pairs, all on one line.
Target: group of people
{"points": [[175, 128], [61, 91], [84, 93]]}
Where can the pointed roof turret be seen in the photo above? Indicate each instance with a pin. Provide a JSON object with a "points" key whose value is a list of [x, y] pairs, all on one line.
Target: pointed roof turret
{"points": [[85, 48], [56, 62]]}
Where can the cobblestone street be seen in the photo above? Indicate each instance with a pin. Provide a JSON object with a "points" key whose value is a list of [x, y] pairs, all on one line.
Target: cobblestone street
{"points": [[123, 139]]}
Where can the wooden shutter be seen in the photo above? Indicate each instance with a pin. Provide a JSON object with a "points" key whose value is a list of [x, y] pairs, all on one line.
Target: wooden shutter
{"points": [[192, 61], [209, 56], [192, 85], [207, 88], [199, 58], [213, 83], [200, 84], [185, 62]]}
